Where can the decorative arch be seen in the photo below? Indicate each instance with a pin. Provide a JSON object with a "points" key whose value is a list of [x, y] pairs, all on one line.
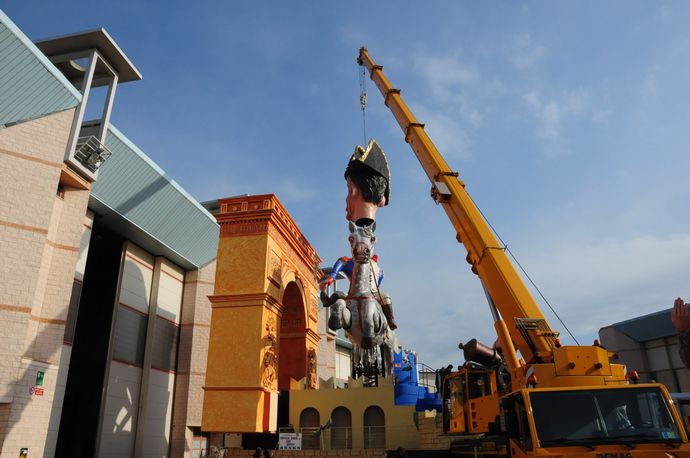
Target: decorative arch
{"points": [[292, 286], [292, 345], [264, 316], [341, 431], [374, 427], [309, 418]]}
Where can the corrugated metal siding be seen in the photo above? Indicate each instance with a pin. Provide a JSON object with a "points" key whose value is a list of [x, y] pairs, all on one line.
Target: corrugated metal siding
{"points": [[30, 86], [134, 187], [648, 327]]}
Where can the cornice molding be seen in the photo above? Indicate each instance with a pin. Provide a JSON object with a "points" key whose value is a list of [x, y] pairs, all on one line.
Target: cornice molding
{"points": [[256, 215]]}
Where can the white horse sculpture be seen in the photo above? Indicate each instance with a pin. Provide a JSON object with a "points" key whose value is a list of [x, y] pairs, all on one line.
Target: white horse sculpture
{"points": [[359, 312]]}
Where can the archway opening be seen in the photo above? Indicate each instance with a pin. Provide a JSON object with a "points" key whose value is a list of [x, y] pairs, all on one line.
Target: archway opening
{"points": [[374, 427], [292, 348], [341, 431], [309, 422]]}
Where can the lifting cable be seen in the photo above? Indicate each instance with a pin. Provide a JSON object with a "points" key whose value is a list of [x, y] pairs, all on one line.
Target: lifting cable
{"points": [[363, 99], [524, 271]]}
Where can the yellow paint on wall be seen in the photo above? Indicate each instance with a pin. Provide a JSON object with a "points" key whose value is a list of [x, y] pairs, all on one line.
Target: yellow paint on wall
{"points": [[241, 265], [253, 271], [233, 411], [235, 350], [400, 426]]}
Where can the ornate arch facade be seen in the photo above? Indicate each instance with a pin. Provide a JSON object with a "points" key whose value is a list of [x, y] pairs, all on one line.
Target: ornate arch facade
{"points": [[266, 269]]}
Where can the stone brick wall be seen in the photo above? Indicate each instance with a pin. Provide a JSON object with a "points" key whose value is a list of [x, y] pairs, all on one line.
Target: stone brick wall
{"points": [[325, 367], [40, 234], [195, 325], [31, 155], [431, 432]]}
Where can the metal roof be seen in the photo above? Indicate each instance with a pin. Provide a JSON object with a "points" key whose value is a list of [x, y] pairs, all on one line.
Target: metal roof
{"points": [[91, 39], [139, 200], [648, 327], [30, 85]]}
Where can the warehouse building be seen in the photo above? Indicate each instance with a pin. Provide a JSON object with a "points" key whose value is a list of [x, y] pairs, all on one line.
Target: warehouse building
{"points": [[107, 265], [649, 345]]}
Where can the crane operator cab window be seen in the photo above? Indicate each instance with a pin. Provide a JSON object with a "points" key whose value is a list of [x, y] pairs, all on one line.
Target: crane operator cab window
{"points": [[454, 396], [516, 423], [594, 417], [479, 384]]}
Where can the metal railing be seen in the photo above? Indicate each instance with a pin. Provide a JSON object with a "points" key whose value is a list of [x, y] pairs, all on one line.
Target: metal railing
{"points": [[374, 437], [427, 377], [341, 438], [311, 438], [91, 153], [368, 437]]}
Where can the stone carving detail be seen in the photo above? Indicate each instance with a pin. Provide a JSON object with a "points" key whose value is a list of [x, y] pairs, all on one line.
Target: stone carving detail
{"points": [[314, 308], [270, 362], [311, 369], [276, 268], [244, 228], [303, 259]]}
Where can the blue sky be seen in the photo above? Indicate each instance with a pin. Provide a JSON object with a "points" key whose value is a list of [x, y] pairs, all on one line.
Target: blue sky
{"points": [[568, 121]]}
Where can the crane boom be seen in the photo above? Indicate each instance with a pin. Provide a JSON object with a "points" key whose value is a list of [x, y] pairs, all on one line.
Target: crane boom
{"points": [[554, 382], [531, 333]]}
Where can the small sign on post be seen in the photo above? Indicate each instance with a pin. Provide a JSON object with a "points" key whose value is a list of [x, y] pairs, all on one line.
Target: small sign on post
{"points": [[290, 441], [39, 378], [23, 452]]}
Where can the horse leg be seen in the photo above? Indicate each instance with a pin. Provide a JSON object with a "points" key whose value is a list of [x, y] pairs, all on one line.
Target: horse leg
{"points": [[387, 307], [328, 301], [340, 314], [387, 358], [335, 320]]}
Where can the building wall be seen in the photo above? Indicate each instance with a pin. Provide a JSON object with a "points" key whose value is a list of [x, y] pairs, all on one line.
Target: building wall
{"points": [[138, 409], [31, 155], [61, 382], [654, 360], [630, 352], [163, 366], [401, 430], [326, 361], [41, 228], [431, 436], [120, 417], [195, 324], [45, 231]]}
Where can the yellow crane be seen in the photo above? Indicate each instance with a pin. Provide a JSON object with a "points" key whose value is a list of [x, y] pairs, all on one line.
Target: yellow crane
{"points": [[566, 401]]}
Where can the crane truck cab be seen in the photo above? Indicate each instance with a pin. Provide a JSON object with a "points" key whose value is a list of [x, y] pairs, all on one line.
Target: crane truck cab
{"points": [[628, 420]]}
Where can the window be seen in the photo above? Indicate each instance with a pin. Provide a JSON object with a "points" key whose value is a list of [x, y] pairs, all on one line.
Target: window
{"points": [[517, 424], [592, 417], [374, 427], [479, 384], [164, 351], [309, 423], [341, 431], [342, 363], [130, 336]]}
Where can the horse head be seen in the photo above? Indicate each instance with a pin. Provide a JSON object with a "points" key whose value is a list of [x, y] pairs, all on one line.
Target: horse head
{"points": [[362, 241]]}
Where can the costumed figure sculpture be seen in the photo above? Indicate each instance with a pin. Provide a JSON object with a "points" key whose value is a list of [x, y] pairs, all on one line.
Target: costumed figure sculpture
{"points": [[365, 312]]}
